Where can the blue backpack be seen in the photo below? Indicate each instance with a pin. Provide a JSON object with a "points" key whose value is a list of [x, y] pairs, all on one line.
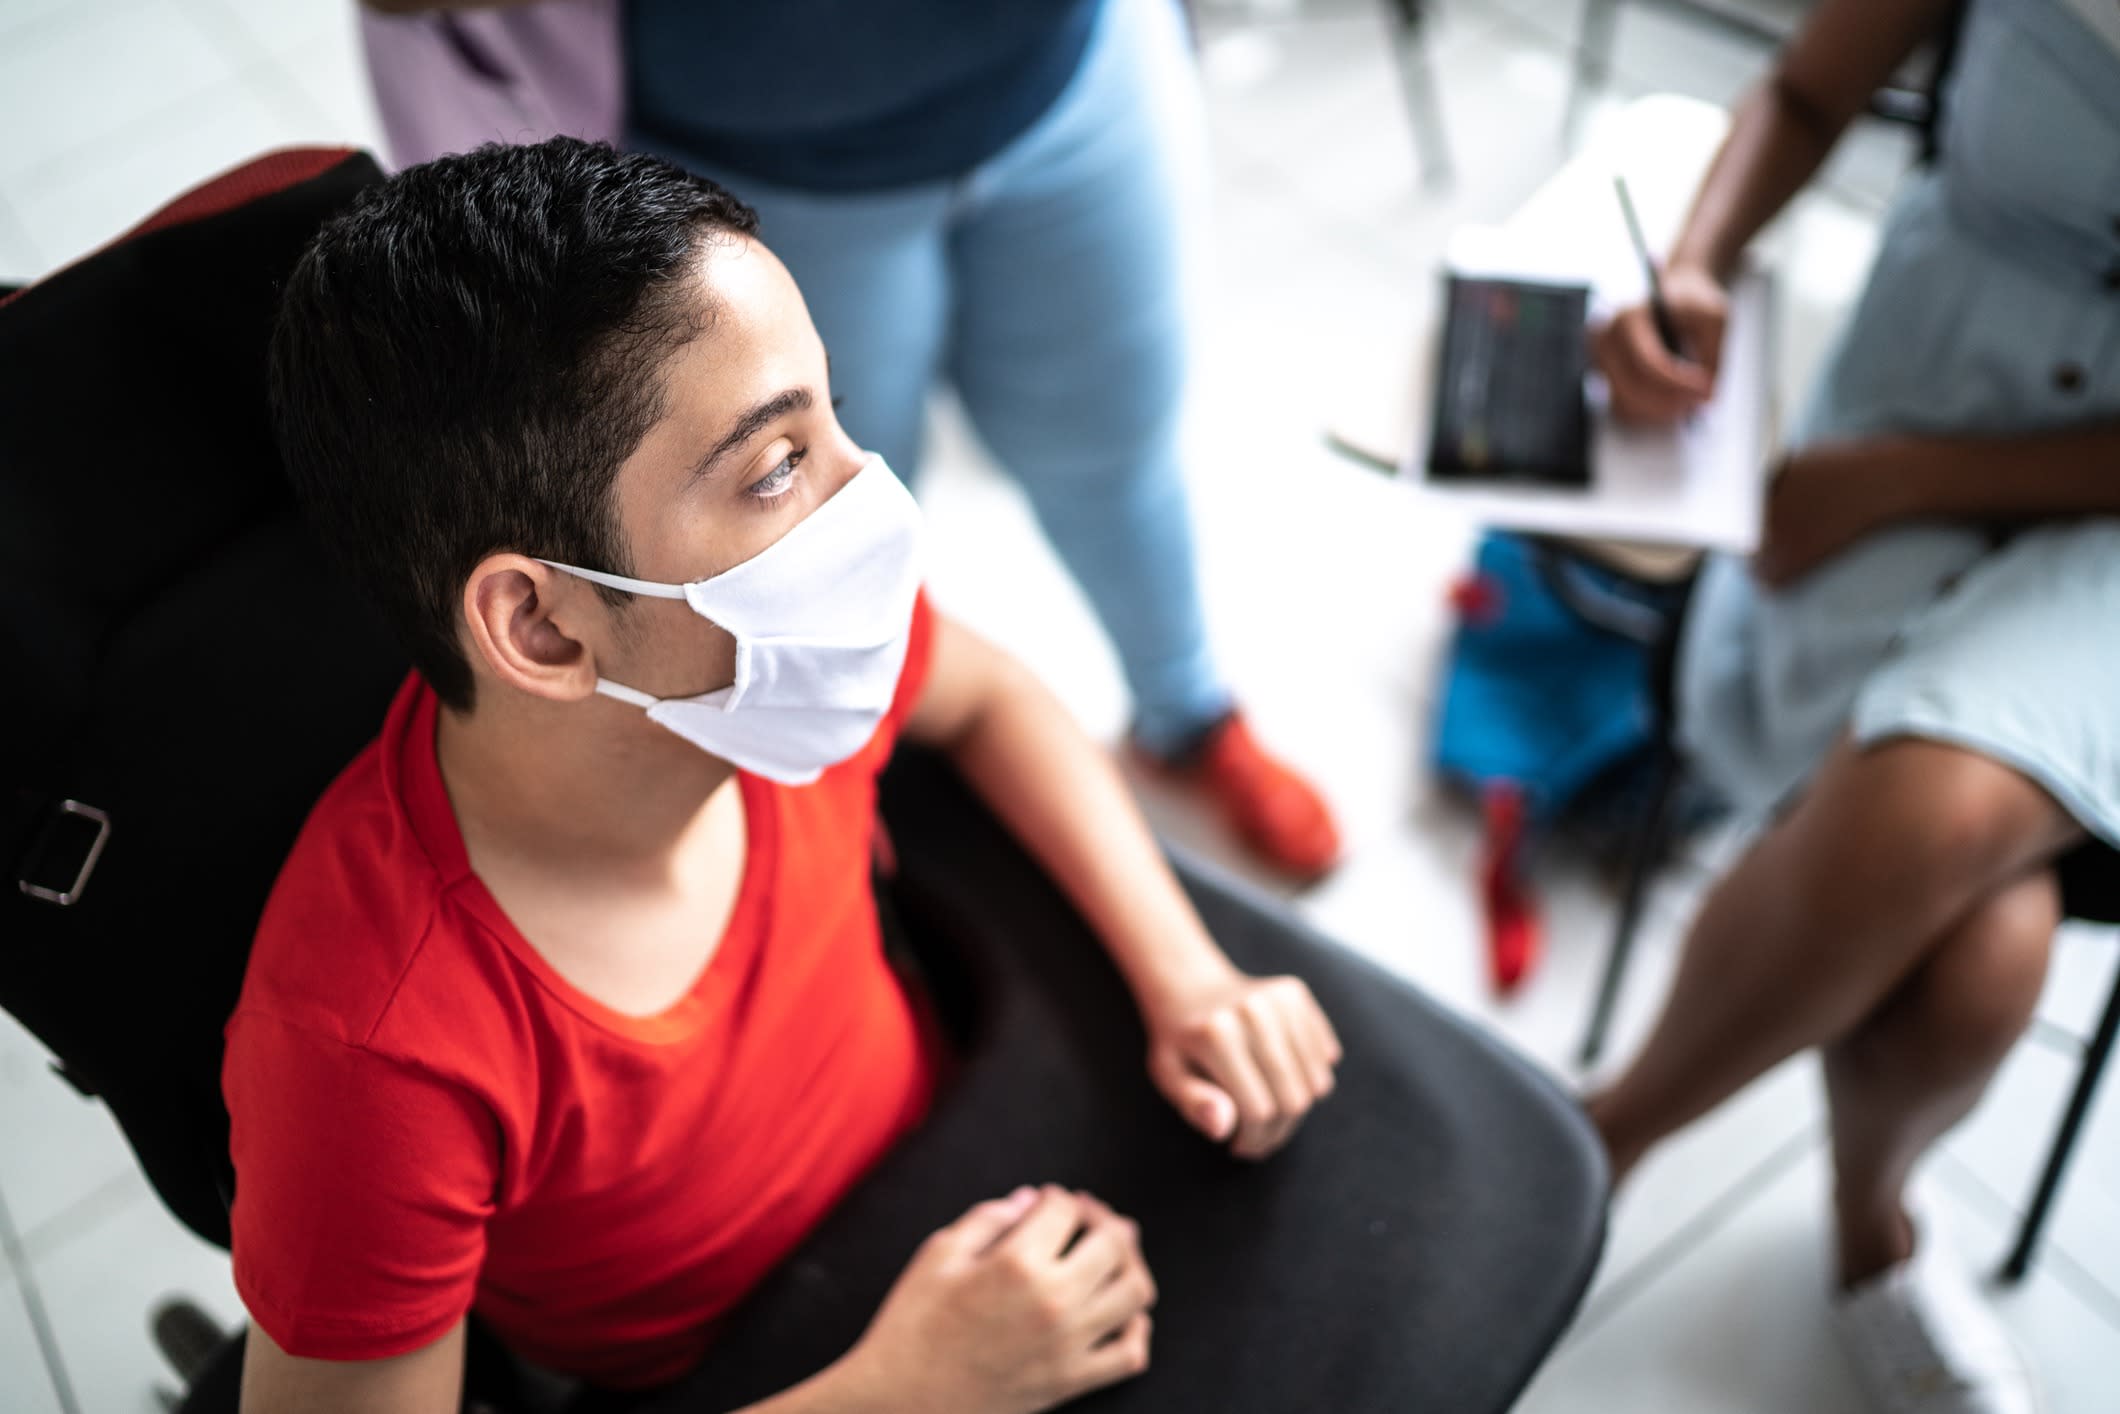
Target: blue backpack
{"points": [[1548, 712]]}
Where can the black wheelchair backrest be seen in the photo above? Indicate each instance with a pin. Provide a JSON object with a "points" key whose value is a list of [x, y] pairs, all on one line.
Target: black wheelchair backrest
{"points": [[186, 671]]}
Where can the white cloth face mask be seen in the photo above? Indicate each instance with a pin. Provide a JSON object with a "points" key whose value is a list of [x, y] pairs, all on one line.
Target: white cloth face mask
{"points": [[821, 619]]}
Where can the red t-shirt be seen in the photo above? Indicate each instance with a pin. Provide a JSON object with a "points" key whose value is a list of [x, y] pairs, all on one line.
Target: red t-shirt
{"points": [[428, 1119]]}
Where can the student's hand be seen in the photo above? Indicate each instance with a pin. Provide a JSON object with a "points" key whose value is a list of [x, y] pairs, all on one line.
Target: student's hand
{"points": [[1021, 1304], [1822, 500], [1244, 1059], [1648, 384]]}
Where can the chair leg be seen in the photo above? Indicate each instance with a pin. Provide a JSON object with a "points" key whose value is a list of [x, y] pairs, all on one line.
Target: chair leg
{"points": [[217, 1387], [1417, 85], [1593, 61], [2095, 1055], [1645, 852]]}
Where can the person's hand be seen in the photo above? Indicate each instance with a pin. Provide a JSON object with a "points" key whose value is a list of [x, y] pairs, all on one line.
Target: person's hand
{"points": [[1821, 501], [1244, 1059], [1648, 383], [1021, 1304]]}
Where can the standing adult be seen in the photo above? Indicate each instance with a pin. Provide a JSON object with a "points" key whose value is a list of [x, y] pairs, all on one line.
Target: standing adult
{"points": [[979, 194]]}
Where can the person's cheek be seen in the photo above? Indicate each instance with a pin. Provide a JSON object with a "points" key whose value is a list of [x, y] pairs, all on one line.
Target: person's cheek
{"points": [[712, 651], [677, 654]]}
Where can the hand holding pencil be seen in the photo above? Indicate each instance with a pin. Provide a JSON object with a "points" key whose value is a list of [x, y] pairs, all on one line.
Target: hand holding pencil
{"points": [[1660, 357]]}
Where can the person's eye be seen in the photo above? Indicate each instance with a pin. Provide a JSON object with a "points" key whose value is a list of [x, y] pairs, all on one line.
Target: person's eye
{"points": [[777, 482]]}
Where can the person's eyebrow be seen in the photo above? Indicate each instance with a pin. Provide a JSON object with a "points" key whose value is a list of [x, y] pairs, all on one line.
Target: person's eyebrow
{"points": [[759, 416]]}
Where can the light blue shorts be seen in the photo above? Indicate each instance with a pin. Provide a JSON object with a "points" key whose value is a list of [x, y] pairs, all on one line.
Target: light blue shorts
{"points": [[1993, 310], [2011, 652]]}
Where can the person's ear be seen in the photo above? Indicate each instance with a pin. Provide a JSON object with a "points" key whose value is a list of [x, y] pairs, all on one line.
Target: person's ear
{"points": [[525, 621]]}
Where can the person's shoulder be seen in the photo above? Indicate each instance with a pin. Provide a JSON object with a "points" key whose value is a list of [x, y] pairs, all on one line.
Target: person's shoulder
{"points": [[357, 901], [352, 904], [858, 773]]}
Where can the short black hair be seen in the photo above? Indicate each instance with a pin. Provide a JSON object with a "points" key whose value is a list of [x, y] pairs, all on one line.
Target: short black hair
{"points": [[466, 355]]}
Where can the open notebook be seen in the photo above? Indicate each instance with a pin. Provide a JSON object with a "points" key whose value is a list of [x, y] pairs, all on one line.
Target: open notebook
{"points": [[1699, 484]]}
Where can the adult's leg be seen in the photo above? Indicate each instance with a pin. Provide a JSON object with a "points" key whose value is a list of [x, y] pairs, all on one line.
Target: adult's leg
{"points": [[1893, 850], [1068, 348], [872, 269], [1917, 1064]]}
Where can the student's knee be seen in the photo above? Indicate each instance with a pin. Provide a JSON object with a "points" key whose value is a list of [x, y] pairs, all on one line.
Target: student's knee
{"points": [[1943, 822], [1977, 992], [1981, 817]]}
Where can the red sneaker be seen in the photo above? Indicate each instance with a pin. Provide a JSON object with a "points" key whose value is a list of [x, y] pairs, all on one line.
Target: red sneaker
{"points": [[1278, 814]]}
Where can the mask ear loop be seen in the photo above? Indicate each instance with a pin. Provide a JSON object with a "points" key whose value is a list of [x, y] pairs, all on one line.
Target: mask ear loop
{"points": [[653, 590], [648, 587], [631, 695]]}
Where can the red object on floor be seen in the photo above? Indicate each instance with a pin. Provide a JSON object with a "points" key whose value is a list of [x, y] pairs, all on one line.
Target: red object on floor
{"points": [[1514, 936], [1278, 813], [1477, 598]]}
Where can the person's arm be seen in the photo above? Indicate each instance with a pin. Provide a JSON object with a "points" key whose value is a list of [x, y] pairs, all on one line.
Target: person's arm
{"points": [[1242, 1058], [430, 1381], [1023, 1303], [1831, 495], [1781, 133]]}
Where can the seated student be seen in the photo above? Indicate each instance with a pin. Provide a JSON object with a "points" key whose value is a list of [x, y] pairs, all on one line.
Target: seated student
{"points": [[1916, 679], [570, 1005]]}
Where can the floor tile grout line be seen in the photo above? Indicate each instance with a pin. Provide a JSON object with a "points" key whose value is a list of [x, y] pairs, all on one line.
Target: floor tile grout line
{"points": [[1693, 1233], [24, 244], [49, 169], [58, 18], [289, 97], [253, 81], [276, 86], [227, 24], [2083, 1283], [254, 69], [106, 1200], [40, 172], [39, 1318]]}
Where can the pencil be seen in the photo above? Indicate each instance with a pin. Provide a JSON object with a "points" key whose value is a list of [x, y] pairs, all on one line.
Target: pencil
{"points": [[1658, 310]]}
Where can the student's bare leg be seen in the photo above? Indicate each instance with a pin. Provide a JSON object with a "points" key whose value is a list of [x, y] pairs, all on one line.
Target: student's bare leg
{"points": [[1919, 1063], [1833, 910]]}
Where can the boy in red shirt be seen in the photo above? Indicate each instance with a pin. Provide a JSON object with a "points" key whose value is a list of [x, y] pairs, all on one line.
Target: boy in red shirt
{"points": [[570, 1005]]}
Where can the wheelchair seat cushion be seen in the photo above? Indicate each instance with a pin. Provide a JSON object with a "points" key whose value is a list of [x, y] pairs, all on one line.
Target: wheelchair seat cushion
{"points": [[1419, 1245]]}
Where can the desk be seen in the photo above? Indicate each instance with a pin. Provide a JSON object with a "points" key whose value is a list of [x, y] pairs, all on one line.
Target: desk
{"points": [[1662, 143]]}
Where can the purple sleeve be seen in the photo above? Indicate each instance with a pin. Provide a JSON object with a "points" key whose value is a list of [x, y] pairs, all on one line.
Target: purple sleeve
{"points": [[446, 81]]}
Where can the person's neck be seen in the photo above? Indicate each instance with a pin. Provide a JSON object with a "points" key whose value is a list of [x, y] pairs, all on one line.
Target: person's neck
{"points": [[574, 786]]}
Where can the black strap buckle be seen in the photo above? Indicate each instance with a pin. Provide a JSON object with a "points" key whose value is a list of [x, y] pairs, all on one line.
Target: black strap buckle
{"points": [[70, 831]]}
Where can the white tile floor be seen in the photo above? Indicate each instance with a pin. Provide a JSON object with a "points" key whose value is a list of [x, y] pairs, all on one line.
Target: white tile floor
{"points": [[1709, 1298]]}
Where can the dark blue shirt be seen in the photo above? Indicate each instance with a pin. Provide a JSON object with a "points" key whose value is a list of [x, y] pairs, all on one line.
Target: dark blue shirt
{"points": [[846, 95]]}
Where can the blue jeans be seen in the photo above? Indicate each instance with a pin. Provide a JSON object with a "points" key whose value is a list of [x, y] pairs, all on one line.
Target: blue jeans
{"points": [[1045, 285]]}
